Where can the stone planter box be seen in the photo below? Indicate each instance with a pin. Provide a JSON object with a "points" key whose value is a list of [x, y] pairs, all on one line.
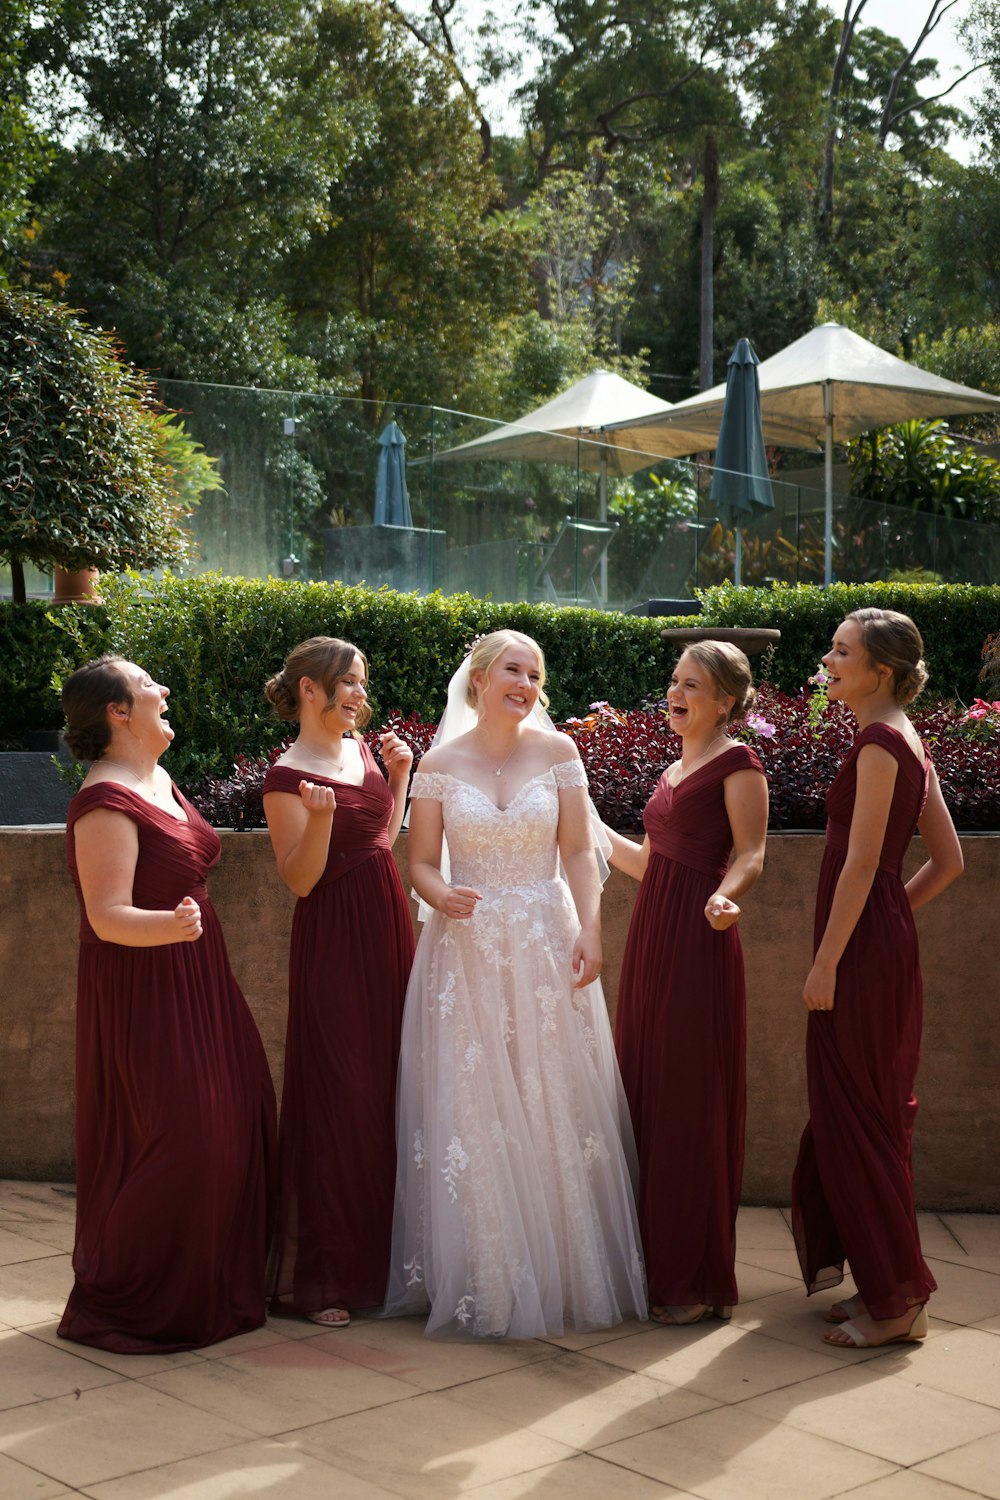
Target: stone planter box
{"points": [[957, 1146]]}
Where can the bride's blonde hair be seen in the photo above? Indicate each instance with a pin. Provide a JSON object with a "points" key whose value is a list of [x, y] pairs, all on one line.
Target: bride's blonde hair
{"points": [[487, 649]]}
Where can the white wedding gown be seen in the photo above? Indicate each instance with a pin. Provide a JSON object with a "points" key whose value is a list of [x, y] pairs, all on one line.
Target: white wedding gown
{"points": [[515, 1213]]}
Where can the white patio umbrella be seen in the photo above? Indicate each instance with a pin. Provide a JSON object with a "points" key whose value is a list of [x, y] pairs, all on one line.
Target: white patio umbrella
{"points": [[573, 428], [827, 386]]}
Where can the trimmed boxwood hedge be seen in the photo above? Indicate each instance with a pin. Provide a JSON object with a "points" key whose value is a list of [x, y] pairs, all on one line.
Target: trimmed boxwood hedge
{"points": [[214, 641], [954, 620]]}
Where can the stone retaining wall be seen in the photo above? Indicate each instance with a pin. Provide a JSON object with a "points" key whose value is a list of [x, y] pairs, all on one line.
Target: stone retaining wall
{"points": [[957, 1150]]}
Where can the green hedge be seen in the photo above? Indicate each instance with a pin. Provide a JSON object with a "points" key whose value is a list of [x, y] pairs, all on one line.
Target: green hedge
{"points": [[33, 646], [954, 620], [215, 640]]}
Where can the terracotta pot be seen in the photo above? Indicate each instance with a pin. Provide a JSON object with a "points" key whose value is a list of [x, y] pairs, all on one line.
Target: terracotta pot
{"points": [[76, 588]]}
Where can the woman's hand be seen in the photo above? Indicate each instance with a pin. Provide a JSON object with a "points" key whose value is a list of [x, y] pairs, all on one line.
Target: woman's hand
{"points": [[397, 756], [721, 912], [188, 918], [317, 799], [587, 958], [820, 987], [460, 902]]}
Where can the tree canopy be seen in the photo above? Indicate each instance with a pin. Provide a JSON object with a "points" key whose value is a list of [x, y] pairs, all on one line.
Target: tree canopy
{"points": [[310, 194]]}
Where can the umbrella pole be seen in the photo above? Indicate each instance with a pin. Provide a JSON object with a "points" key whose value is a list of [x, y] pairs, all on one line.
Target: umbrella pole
{"points": [[738, 569], [828, 485], [602, 507]]}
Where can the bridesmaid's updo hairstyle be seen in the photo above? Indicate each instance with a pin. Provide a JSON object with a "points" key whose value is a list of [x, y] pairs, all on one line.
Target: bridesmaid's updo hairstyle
{"points": [[729, 669], [324, 659], [87, 695], [488, 649], [892, 640]]}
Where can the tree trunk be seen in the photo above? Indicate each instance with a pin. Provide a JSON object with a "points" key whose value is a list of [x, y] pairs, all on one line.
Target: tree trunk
{"points": [[709, 203], [17, 589]]}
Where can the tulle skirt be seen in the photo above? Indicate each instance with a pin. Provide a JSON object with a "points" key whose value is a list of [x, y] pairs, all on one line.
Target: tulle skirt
{"points": [[514, 1210]]}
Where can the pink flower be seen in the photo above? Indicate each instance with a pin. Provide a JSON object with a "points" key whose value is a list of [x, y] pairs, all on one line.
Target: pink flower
{"points": [[761, 726]]}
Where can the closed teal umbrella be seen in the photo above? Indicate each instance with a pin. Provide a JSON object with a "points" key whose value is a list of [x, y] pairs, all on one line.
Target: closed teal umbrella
{"points": [[741, 485], [392, 503]]}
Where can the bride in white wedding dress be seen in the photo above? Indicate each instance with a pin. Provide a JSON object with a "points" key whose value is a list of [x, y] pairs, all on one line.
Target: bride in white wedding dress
{"points": [[514, 1213]]}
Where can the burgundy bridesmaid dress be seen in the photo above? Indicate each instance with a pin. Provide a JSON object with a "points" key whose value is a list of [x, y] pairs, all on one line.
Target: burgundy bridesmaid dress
{"points": [[351, 952], [680, 1030], [175, 1114], [852, 1195]]}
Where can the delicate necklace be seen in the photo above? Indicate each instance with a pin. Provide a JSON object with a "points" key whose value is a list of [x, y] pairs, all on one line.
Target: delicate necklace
{"points": [[500, 767], [718, 740], [149, 786]]}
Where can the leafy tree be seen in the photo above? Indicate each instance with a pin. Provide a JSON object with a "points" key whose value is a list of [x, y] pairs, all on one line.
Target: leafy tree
{"points": [[205, 143], [84, 477], [414, 273], [23, 148]]}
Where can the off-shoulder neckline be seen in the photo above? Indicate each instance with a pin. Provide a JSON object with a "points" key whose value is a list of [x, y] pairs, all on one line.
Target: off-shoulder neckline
{"points": [[460, 781], [176, 794]]}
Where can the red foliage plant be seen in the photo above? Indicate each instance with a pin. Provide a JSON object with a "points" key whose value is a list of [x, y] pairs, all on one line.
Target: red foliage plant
{"points": [[625, 753]]}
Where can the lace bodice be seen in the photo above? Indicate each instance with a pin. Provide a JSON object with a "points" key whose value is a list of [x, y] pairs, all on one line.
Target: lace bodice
{"points": [[501, 848]]}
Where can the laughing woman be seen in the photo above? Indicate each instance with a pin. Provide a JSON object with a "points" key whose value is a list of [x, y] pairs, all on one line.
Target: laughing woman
{"points": [[174, 1103], [681, 1019], [852, 1197], [333, 821]]}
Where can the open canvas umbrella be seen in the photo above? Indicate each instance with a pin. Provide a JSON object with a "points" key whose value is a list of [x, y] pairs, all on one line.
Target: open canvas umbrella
{"points": [[572, 428], [827, 386], [741, 486], [392, 503]]}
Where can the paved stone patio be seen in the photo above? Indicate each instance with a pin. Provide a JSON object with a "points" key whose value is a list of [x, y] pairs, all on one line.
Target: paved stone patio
{"points": [[758, 1409]]}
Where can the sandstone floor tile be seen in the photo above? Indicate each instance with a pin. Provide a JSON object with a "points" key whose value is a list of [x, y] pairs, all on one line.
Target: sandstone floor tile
{"points": [[264, 1468], [579, 1341], [761, 1229], [581, 1478], [110, 1431], [723, 1361], [754, 1281], [784, 1261], [989, 1263], [963, 1295], [18, 1482], [429, 1446], [35, 1291], [580, 1401], [733, 1454], [258, 1338], [279, 1387], [936, 1238], [908, 1484], [57, 1234], [32, 1371], [962, 1361], [21, 1247], [131, 1365], [974, 1466], [879, 1413], [397, 1347], [978, 1234], [37, 1200]]}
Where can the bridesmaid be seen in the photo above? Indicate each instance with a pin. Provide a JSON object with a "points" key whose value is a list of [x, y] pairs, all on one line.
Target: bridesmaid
{"points": [[333, 821], [174, 1103], [852, 1196], [681, 1020]]}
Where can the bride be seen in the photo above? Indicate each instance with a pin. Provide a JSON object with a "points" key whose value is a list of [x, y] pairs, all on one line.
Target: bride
{"points": [[514, 1212]]}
